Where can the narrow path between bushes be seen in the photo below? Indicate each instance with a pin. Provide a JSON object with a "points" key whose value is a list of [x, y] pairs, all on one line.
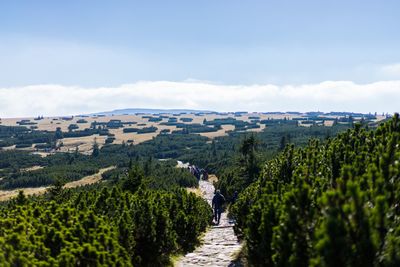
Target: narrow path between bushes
{"points": [[220, 246]]}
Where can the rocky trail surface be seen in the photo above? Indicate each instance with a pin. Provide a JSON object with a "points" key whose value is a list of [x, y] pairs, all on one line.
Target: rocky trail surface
{"points": [[220, 246]]}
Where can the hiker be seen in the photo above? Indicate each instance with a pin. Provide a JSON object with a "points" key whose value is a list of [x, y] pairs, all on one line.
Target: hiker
{"points": [[217, 202], [234, 197], [205, 175], [197, 173]]}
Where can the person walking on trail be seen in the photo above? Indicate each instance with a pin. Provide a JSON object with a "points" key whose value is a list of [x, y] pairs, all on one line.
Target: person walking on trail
{"points": [[217, 202], [205, 175], [234, 197]]}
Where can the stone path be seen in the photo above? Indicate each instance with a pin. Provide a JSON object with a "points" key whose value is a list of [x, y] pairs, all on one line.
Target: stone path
{"points": [[219, 244]]}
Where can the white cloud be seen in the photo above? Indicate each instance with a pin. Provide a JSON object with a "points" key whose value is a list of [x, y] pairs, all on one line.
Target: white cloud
{"points": [[326, 96]]}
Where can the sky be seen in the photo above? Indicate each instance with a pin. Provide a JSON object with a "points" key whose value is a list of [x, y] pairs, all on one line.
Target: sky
{"points": [[72, 57]]}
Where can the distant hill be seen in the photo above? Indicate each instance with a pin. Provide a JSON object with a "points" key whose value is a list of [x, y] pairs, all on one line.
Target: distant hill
{"points": [[132, 111]]}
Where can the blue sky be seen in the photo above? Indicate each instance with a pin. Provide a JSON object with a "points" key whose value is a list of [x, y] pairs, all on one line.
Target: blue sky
{"points": [[92, 43], [95, 44]]}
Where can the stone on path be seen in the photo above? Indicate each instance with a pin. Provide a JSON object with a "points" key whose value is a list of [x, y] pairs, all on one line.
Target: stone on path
{"points": [[219, 244]]}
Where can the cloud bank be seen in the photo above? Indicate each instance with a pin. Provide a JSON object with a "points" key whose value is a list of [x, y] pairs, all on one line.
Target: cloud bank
{"points": [[53, 100]]}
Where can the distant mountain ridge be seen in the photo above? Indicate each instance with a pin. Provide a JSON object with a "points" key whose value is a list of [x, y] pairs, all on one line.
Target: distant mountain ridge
{"points": [[132, 111]]}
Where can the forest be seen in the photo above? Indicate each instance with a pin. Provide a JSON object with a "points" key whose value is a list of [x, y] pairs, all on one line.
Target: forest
{"points": [[123, 225], [315, 196], [218, 156], [331, 203]]}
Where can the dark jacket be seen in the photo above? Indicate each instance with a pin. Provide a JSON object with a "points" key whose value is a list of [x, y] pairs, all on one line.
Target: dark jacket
{"points": [[218, 200]]}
